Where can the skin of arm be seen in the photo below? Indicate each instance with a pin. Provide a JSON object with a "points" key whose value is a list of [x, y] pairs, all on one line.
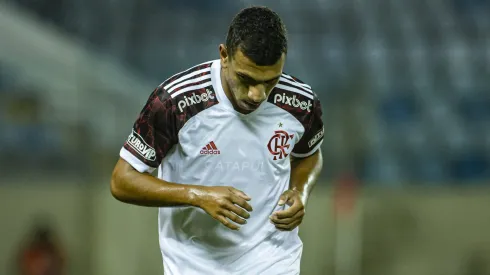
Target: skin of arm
{"points": [[133, 187], [224, 203], [304, 174]]}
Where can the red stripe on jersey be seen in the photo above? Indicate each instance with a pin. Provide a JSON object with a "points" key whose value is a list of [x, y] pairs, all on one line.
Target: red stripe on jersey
{"points": [[209, 147], [213, 145]]}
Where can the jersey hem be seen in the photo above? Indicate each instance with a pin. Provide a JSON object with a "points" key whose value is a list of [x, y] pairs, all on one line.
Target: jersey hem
{"points": [[135, 162]]}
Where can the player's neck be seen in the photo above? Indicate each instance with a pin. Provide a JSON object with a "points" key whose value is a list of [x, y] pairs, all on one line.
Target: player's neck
{"points": [[227, 90]]}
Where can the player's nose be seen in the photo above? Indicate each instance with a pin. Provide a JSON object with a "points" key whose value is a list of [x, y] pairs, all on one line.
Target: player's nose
{"points": [[257, 93]]}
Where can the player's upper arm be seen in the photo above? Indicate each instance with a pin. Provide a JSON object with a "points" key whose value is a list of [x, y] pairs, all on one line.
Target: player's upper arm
{"points": [[312, 138], [153, 134]]}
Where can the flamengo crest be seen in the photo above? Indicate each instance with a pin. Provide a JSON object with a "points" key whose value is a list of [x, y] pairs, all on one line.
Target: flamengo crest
{"points": [[279, 143]]}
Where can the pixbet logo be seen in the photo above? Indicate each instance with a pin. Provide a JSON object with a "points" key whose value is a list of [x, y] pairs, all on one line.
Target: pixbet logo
{"points": [[195, 99], [293, 101], [279, 143], [141, 147]]}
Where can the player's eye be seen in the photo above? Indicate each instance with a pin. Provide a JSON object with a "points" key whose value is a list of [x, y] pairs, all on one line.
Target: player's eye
{"points": [[244, 79], [251, 82]]}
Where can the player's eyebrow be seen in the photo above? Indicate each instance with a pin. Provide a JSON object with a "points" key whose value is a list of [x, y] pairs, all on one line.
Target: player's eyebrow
{"points": [[251, 79]]}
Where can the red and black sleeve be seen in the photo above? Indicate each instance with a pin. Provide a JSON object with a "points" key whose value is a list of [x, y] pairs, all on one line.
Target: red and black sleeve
{"points": [[312, 138], [153, 134]]}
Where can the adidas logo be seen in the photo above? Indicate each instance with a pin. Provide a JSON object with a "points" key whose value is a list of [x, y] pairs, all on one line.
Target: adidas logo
{"points": [[210, 149]]}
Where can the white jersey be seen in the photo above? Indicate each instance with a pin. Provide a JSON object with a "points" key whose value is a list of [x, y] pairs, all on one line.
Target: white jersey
{"points": [[190, 131]]}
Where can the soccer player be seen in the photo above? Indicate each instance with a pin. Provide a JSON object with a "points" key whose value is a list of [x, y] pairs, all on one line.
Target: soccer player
{"points": [[236, 143]]}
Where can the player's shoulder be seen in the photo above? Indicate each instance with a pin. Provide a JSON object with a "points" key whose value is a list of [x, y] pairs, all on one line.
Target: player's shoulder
{"points": [[189, 91], [294, 96]]}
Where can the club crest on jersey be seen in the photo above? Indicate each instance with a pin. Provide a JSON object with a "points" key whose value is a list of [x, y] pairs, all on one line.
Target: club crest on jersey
{"points": [[141, 147], [279, 144], [195, 99], [293, 101]]}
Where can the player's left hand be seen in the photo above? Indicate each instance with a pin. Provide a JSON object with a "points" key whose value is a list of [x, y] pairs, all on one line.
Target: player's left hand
{"points": [[288, 219]]}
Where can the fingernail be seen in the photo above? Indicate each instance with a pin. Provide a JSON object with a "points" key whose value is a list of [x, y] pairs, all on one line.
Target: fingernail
{"points": [[281, 202]]}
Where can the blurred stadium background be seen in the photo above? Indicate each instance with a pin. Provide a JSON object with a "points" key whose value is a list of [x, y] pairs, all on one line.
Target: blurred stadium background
{"points": [[405, 88]]}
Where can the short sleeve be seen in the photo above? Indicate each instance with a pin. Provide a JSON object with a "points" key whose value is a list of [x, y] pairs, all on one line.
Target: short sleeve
{"points": [[312, 138], [153, 134]]}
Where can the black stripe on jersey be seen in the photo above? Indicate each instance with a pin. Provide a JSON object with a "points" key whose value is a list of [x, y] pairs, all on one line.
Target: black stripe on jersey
{"points": [[306, 90], [188, 78], [177, 76], [291, 81], [295, 79], [194, 80], [189, 87]]}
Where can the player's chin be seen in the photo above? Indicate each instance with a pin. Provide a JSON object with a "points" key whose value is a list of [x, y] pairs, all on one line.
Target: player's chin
{"points": [[248, 107]]}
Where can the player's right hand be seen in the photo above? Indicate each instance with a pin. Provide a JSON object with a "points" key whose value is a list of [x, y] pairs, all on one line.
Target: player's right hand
{"points": [[225, 204]]}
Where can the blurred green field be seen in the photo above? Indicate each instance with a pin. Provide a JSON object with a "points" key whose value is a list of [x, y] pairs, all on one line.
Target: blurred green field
{"points": [[398, 232]]}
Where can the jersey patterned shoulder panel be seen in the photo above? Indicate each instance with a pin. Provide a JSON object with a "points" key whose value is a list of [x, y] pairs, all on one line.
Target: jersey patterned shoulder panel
{"points": [[297, 98], [168, 108]]}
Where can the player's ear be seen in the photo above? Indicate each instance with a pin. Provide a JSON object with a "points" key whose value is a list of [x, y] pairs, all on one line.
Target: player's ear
{"points": [[223, 54]]}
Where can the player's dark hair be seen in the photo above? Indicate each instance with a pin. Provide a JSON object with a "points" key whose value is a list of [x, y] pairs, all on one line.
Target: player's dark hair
{"points": [[259, 33]]}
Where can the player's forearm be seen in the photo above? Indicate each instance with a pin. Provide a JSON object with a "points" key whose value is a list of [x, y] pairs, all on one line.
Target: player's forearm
{"points": [[131, 186], [304, 174]]}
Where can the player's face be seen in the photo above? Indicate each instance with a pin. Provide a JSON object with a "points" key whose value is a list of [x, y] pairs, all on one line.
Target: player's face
{"points": [[248, 84]]}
